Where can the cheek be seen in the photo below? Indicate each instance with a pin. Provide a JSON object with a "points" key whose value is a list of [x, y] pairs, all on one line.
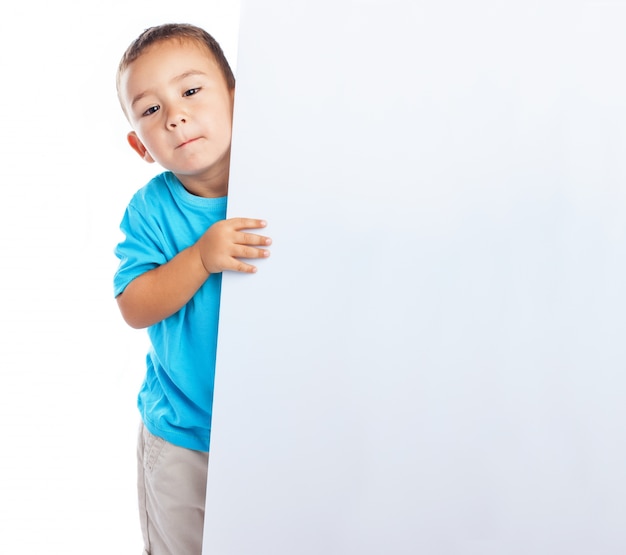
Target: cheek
{"points": [[221, 132], [226, 127], [223, 120], [227, 131], [149, 138]]}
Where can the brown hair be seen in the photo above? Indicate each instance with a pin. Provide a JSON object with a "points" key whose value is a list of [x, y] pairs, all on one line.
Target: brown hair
{"points": [[180, 31]]}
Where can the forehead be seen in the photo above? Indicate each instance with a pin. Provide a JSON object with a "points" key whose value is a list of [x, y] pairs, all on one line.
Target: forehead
{"points": [[165, 60]]}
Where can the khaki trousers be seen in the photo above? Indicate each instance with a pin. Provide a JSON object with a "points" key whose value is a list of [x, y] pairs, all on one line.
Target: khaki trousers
{"points": [[171, 484]]}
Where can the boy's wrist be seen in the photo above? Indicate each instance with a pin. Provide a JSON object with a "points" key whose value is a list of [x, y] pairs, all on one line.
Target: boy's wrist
{"points": [[200, 264]]}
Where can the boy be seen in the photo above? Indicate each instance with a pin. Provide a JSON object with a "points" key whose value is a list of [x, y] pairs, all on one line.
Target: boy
{"points": [[177, 91]]}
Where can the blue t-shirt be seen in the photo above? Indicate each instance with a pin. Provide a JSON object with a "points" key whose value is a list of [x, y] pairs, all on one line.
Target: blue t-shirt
{"points": [[176, 398]]}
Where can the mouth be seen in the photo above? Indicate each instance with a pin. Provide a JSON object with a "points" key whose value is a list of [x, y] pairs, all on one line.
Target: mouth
{"points": [[185, 143]]}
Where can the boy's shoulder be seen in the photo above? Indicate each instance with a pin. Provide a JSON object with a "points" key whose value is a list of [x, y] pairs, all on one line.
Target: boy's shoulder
{"points": [[165, 198], [155, 187], [153, 192]]}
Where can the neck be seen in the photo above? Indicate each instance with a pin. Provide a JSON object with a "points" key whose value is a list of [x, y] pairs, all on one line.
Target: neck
{"points": [[210, 184]]}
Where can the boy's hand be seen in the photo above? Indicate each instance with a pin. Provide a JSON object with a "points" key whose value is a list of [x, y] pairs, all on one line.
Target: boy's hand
{"points": [[225, 243]]}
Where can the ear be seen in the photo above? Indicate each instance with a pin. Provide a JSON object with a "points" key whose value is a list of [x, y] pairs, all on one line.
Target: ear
{"points": [[136, 144]]}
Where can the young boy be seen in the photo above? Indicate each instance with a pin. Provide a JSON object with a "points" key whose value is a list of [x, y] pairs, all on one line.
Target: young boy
{"points": [[177, 90]]}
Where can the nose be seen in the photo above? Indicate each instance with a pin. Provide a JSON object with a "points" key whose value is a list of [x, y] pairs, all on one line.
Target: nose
{"points": [[175, 118], [175, 122]]}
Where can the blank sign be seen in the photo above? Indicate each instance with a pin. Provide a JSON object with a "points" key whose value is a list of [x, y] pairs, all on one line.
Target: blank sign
{"points": [[432, 360]]}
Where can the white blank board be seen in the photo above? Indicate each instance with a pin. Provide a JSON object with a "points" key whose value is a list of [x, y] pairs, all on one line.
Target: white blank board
{"points": [[433, 359]]}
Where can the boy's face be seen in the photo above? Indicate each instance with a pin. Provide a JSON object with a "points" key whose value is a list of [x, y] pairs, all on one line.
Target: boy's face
{"points": [[180, 109]]}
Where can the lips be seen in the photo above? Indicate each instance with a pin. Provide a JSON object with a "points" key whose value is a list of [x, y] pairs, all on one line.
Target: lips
{"points": [[185, 143]]}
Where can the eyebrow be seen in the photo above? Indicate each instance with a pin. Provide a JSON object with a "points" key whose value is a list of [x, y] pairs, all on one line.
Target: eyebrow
{"points": [[180, 77]]}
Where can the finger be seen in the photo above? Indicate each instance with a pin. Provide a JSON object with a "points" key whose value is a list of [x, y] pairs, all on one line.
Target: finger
{"points": [[252, 252], [253, 239], [248, 223], [243, 267]]}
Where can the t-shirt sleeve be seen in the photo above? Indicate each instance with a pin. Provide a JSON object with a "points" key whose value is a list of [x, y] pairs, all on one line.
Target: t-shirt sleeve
{"points": [[138, 252]]}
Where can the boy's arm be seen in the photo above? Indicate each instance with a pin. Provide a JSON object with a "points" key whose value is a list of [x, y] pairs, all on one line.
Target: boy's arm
{"points": [[163, 291]]}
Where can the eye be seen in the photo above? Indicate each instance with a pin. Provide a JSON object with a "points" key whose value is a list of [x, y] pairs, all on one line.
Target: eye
{"points": [[191, 92], [151, 111]]}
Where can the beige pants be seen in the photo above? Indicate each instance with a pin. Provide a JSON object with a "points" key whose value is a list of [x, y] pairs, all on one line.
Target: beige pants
{"points": [[171, 483]]}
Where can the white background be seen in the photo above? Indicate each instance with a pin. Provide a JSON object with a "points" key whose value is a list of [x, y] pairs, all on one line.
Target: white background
{"points": [[70, 368], [432, 361]]}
